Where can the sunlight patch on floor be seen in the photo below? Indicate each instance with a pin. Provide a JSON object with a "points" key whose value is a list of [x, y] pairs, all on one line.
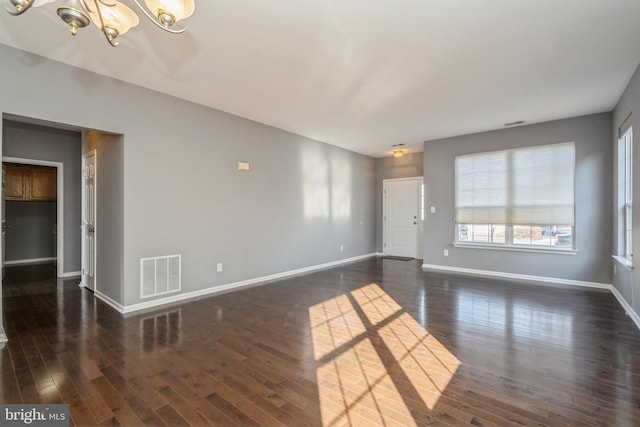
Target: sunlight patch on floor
{"points": [[333, 324], [355, 385], [426, 362], [375, 303], [356, 388]]}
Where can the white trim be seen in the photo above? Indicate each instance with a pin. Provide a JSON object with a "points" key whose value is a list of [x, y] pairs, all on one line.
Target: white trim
{"points": [[629, 311], [30, 261], [525, 277], [109, 301], [403, 179], [498, 274], [71, 274], [226, 287], [59, 202], [513, 248], [624, 261]]}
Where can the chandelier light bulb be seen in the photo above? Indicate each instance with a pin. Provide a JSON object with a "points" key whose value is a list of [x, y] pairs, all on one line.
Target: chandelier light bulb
{"points": [[169, 12]]}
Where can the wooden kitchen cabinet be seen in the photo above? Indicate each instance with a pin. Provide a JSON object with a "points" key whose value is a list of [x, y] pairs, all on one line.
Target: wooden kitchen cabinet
{"points": [[43, 184], [30, 183], [15, 186]]}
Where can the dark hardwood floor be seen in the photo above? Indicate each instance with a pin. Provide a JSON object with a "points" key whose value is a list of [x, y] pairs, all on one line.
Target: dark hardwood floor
{"points": [[378, 342]]}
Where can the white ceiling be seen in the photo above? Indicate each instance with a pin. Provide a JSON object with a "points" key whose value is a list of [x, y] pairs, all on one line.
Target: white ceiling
{"points": [[367, 74]]}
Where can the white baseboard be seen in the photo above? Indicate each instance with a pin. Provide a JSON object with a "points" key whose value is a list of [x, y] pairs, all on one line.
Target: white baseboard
{"points": [[71, 274], [231, 286], [627, 307], [30, 261], [109, 301], [524, 277], [497, 274]]}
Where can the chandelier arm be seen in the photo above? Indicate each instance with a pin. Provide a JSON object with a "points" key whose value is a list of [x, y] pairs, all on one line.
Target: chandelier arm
{"points": [[86, 6], [102, 27], [21, 11], [152, 19], [111, 41]]}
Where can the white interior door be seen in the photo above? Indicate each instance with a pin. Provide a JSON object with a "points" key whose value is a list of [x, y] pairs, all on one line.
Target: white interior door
{"points": [[89, 221], [401, 217]]}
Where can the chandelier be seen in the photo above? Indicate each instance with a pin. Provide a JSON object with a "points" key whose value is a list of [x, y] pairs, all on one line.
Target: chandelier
{"points": [[111, 16]]}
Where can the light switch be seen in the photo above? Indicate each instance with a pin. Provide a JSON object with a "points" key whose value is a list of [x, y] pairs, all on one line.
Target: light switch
{"points": [[433, 209], [243, 166]]}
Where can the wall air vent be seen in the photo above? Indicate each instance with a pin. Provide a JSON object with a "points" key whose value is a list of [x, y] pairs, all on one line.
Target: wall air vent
{"points": [[160, 275]]}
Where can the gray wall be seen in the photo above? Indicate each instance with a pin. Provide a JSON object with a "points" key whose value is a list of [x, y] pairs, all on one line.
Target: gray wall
{"points": [[183, 194], [109, 150], [628, 282], [592, 136], [31, 233], [43, 143], [407, 166]]}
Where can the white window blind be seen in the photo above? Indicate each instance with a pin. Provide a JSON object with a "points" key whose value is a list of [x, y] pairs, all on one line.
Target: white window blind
{"points": [[524, 186]]}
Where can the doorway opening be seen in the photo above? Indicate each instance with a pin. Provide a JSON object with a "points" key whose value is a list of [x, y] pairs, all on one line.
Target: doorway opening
{"points": [[33, 212]]}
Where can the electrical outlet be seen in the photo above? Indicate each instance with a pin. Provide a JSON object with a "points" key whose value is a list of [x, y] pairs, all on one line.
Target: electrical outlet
{"points": [[219, 267], [341, 248], [445, 252]]}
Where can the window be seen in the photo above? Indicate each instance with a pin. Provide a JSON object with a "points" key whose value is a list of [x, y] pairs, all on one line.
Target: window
{"points": [[625, 186], [557, 236], [521, 198]]}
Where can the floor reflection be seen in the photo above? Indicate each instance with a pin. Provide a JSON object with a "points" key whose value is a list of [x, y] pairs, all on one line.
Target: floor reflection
{"points": [[508, 317], [161, 330]]}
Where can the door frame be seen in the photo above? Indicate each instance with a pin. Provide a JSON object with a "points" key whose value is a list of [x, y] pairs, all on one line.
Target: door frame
{"points": [[59, 206], [419, 213], [83, 210]]}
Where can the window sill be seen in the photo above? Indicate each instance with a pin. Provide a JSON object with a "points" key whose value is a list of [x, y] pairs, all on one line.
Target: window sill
{"points": [[516, 248], [624, 261]]}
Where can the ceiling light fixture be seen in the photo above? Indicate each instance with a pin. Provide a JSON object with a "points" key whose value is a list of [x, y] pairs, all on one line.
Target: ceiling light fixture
{"points": [[398, 153], [112, 17]]}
